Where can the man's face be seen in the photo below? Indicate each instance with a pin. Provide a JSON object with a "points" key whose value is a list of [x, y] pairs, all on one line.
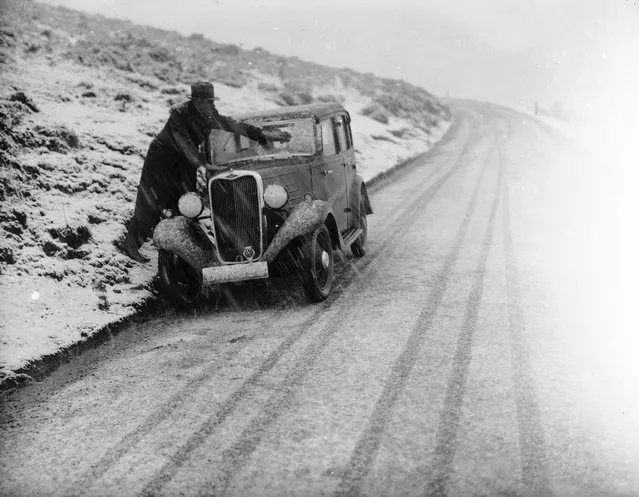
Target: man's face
{"points": [[205, 106]]}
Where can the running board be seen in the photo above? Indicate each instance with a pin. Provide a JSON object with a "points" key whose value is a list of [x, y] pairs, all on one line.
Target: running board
{"points": [[350, 235]]}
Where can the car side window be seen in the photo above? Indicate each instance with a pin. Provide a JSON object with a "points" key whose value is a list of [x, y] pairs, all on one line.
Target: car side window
{"points": [[328, 138], [349, 133], [342, 133]]}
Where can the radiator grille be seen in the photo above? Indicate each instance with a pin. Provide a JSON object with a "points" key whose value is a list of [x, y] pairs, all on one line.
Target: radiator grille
{"points": [[236, 213]]}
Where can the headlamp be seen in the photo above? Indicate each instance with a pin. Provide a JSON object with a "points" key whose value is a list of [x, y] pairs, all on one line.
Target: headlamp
{"points": [[275, 196], [190, 205]]}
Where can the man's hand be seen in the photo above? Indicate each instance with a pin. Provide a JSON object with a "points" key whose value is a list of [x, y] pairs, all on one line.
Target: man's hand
{"points": [[277, 135], [200, 180], [202, 175]]}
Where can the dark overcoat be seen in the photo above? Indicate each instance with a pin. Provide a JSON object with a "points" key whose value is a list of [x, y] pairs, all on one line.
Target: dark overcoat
{"points": [[171, 163]]}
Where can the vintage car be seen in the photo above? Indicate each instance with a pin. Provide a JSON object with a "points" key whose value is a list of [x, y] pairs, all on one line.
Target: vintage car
{"points": [[277, 210]]}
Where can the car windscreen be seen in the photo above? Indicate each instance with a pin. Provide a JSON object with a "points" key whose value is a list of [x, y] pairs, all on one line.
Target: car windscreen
{"points": [[227, 148]]}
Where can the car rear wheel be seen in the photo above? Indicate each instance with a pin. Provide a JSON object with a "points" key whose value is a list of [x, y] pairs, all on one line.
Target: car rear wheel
{"points": [[318, 264], [179, 283], [357, 247]]}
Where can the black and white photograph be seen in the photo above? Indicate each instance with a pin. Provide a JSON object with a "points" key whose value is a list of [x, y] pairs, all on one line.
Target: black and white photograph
{"points": [[319, 248]]}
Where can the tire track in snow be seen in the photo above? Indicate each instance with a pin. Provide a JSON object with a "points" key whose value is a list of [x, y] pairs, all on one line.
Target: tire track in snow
{"points": [[451, 414], [533, 452], [248, 442], [398, 221], [532, 442], [367, 446], [132, 439]]}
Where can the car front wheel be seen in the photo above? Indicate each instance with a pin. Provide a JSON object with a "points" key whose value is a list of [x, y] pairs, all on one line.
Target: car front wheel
{"points": [[179, 283], [318, 264]]}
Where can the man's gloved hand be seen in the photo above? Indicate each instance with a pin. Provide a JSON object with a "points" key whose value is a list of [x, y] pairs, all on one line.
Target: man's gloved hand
{"points": [[200, 180], [202, 175], [277, 135]]}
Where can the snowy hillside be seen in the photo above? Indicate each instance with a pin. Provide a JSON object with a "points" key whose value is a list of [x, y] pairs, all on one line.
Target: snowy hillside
{"points": [[82, 97]]}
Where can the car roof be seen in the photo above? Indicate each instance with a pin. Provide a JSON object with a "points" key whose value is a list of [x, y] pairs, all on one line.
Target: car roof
{"points": [[318, 110]]}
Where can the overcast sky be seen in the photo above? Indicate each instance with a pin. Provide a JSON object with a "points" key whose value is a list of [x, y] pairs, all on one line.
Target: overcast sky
{"points": [[507, 51]]}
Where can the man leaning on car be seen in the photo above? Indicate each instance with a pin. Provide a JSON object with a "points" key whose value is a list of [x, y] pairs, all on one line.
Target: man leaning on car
{"points": [[171, 164]]}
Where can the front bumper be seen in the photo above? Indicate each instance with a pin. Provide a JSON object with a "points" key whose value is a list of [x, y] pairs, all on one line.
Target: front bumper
{"points": [[235, 272]]}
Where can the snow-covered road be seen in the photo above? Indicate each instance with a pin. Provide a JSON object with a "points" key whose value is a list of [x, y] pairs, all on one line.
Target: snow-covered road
{"points": [[475, 350]]}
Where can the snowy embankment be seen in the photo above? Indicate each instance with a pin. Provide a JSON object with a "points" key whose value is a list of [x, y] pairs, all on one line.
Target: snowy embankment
{"points": [[77, 137]]}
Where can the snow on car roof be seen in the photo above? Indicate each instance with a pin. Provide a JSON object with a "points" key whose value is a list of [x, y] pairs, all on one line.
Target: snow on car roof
{"points": [[318, 110]]}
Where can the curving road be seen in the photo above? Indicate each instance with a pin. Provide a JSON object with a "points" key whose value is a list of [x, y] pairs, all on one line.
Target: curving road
{"points": [[473, 351]]}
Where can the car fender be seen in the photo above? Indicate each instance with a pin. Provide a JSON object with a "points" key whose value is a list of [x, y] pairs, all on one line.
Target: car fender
{"points": [[303, 219], [186, 238], [358, 190]]}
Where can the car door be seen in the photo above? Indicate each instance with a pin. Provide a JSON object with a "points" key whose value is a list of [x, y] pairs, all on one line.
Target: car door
{"points": [[347, 152], [328, 174]]}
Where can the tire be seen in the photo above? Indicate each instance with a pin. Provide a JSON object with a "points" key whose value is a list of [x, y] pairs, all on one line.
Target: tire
{"points": [[318, 264], [179, 283], [358, 246]]}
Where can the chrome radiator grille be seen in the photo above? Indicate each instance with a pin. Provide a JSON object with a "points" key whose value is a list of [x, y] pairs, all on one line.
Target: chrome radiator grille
{"points": [[236, 213]]}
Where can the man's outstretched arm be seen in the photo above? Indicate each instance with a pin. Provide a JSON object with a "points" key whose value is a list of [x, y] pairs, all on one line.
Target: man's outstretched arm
{"points": [[252, 132]]}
